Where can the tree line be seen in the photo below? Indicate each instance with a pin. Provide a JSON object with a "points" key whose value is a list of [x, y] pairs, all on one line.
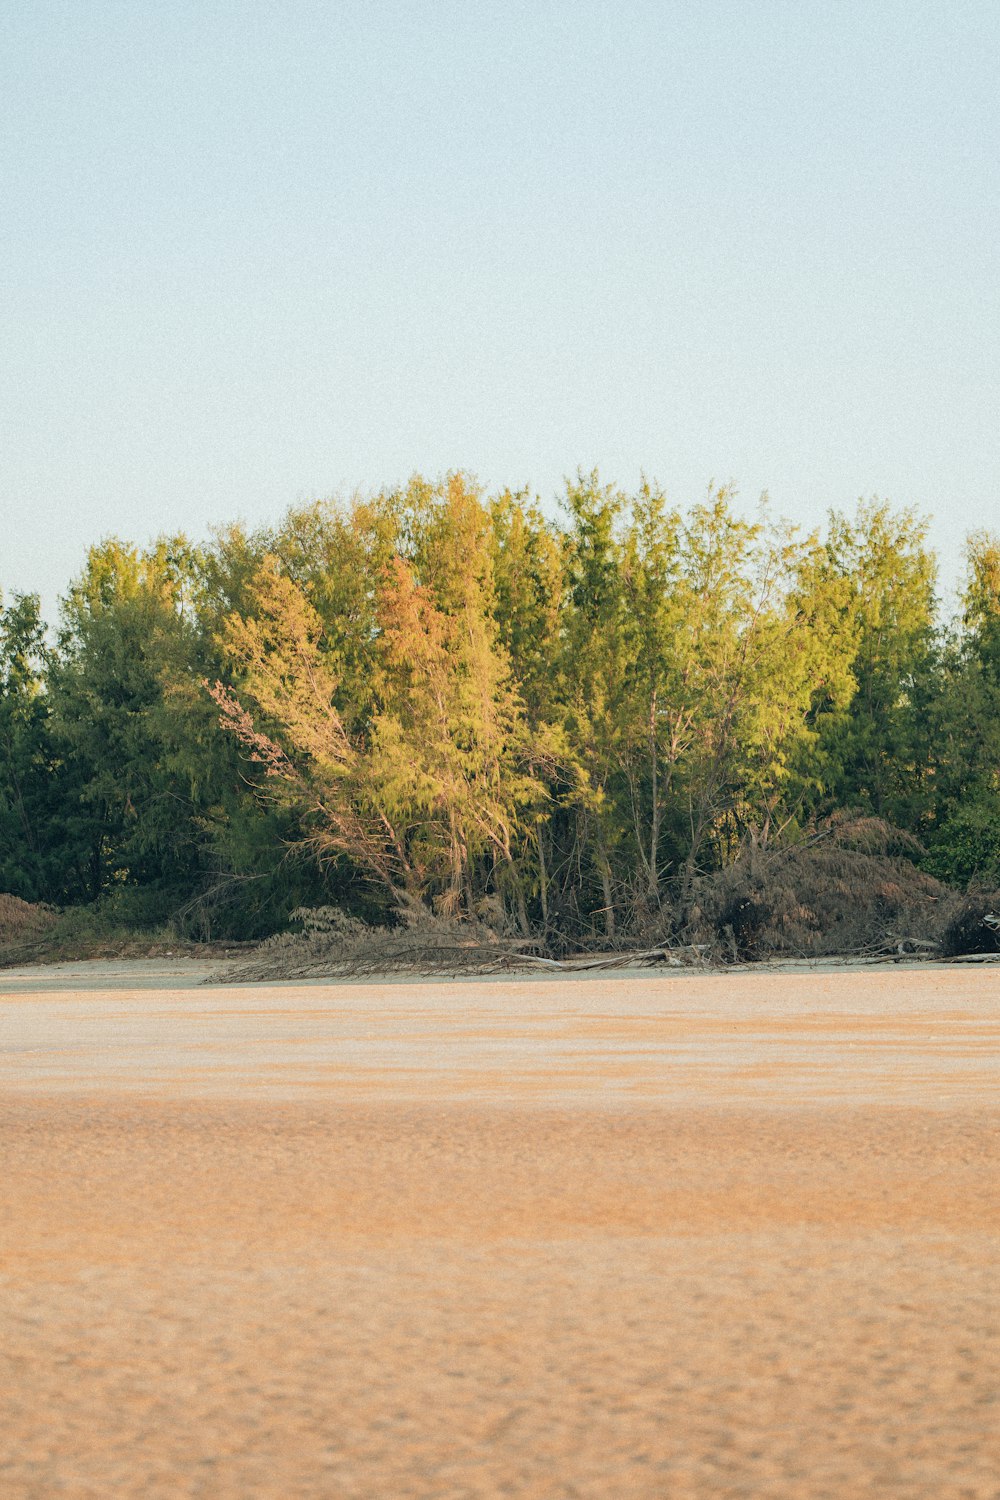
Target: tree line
{"points": [[445, 699]]}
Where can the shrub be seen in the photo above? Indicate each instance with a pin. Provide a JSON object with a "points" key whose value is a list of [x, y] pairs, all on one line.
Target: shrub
{"points": [[967, 931], [967, 847], [840, 892]]}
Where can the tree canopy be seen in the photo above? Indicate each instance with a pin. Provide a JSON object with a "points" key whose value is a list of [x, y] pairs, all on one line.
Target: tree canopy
{"points": [[436, 697]]}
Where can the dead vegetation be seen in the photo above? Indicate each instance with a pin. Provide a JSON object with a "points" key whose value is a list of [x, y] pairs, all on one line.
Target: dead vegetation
{"points": [[36, 934], [333, 944], [26, 929], [22, 922], [851, 890], [973, 926]]}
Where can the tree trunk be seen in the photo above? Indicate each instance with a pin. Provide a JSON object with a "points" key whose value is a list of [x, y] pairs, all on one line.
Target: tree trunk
{"points": [[543, 879], [653, 866], [604, 867]]}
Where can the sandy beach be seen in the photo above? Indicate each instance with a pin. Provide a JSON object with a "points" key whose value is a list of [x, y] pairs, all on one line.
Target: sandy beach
{"points": [[640, 1236]]}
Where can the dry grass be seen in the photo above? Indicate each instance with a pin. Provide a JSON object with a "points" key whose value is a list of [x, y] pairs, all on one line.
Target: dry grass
{"points": [[22, 922]]}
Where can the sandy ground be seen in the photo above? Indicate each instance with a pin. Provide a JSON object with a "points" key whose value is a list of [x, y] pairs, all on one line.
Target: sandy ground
{"points": [[605, 1238]]}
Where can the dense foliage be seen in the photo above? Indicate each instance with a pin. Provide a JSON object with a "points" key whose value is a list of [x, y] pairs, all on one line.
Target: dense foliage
{"points": [[440, 699]]}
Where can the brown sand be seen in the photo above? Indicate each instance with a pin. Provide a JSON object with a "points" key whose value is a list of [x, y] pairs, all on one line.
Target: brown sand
{"points": [[611, 1238]]}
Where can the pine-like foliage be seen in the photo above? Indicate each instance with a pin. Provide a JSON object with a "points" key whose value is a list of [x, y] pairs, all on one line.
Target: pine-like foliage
{"points": [[627, 722]]}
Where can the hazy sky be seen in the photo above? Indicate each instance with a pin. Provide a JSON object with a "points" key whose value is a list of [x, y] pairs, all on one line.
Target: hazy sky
{"points": [[259, 253]]}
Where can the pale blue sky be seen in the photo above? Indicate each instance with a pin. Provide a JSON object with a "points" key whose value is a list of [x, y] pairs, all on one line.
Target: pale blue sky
{"points": [[254, 254]]}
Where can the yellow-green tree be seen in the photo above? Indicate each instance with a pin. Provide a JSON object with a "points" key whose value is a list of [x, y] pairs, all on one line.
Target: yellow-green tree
{"points": [[424, 792]]}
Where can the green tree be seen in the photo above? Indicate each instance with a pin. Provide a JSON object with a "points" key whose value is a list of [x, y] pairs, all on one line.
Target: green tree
{"points": [[126, 620], [656, 711], [964, 730], [528, 604], [42, 853], [878, 753], [593, 670]]}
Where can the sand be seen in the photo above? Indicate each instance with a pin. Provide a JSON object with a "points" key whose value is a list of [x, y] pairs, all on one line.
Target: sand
{"points": [[618, 1237]]}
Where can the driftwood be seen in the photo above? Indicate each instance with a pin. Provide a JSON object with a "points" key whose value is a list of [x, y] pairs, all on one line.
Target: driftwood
{"points": [[336, 947], [648, 956], [973, 958]]}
